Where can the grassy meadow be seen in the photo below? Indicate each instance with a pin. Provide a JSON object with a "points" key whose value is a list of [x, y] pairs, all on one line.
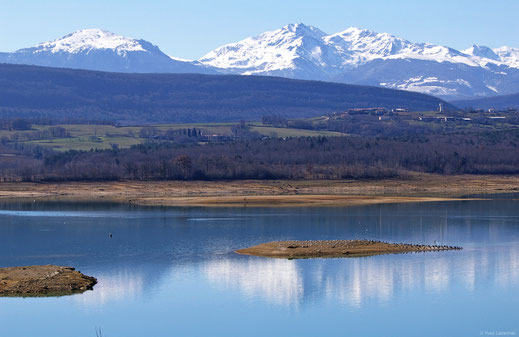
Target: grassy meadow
{"points": [[86, 137]]}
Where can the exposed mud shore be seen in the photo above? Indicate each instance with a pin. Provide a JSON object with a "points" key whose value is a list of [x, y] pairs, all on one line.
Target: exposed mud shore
{"points": [[417, 188]]}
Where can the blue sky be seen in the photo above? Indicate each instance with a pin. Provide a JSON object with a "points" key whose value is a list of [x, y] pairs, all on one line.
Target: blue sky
{"points": [[189, 29]]}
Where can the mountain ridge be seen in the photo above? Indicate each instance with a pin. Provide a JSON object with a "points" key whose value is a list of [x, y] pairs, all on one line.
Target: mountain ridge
{"points": [[299, 51], [334, 57], [495, 102], [96, 49]]}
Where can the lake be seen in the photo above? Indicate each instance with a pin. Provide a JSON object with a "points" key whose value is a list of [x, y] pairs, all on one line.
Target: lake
{"points": [[173, 272]]}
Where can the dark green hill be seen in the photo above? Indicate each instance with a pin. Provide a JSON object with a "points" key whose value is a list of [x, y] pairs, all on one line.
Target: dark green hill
{"points": [[39, 92], [496, 102]]}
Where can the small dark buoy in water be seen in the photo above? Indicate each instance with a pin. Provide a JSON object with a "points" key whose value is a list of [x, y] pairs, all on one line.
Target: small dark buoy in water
{"points": [[110, 235]]}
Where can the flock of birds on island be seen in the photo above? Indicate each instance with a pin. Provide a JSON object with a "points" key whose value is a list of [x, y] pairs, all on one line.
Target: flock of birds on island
{"points": [[346, 243]]}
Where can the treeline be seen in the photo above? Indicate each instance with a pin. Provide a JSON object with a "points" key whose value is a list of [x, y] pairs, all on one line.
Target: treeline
{"points": [[23, 124], [370, 125], [179, 135], [52, 132], [17, 124], [294, 158]]}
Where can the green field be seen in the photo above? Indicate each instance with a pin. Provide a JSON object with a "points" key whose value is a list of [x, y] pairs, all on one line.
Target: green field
{"points": [[274, 132], [86, 137]]}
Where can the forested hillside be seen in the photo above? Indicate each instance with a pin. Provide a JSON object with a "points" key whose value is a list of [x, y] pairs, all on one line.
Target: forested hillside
{"points": [[39, 92], [497, 102]]}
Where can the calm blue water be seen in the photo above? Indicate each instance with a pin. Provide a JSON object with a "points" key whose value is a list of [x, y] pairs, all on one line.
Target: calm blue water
{"points": [[172, 271]]}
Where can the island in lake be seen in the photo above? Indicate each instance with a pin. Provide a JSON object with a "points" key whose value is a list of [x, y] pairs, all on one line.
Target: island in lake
{"points": [[336, 248], [46, 280]]}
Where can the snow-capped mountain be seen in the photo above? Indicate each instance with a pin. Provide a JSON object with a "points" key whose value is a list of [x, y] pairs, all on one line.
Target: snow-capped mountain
{"points": [[88, 40], [509, 56], [96, 49], [359, 46], [362, 56], [296, 51], [482, 52], [356, 56]]}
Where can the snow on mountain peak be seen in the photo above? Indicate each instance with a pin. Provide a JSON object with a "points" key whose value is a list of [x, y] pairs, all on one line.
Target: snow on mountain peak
{"points": [[96, 49], [301, 51], [90, 39], [359, 33], [359, 46], [300, 29], [271, 51], [482, 51], [358, 55], [287, 48], [508, 55]]}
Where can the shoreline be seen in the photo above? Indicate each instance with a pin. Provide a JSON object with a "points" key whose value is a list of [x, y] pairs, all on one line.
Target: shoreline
{"points": [[252, 193]]}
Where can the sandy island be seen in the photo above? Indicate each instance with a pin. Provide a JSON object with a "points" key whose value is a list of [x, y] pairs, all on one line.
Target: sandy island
{"points": [[335, 248], [416, 188], [43, 281]]}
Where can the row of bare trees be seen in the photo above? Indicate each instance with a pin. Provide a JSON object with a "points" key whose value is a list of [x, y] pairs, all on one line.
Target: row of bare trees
{"points": [[294, 158]]}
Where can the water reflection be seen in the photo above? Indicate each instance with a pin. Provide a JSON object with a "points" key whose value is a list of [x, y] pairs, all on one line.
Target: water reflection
{"points": [[356, 281], [165, 268], [111, 287], [278, 281]]}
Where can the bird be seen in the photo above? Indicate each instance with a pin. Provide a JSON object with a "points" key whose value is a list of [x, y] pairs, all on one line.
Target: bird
{"points": [[110, 235]]}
